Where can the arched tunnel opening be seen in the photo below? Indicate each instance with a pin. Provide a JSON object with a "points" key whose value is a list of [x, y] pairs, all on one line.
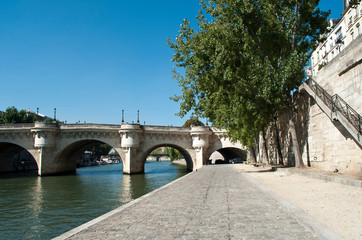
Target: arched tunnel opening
{"points": [[15, 159], [169, 153], [228, 155], [87, 153]]}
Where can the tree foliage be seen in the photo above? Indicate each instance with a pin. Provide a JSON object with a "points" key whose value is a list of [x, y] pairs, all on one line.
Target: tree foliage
{"points": [[244, 59], [354, 3], [99, 148], [193, 122], [172, 152], [12, 115]]}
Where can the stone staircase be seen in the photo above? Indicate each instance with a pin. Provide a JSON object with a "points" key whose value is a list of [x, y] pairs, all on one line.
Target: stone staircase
{"points": [[340, 113]]}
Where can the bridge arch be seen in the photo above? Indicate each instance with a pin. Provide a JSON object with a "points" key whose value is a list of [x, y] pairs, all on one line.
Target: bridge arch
{"points": [[184, 152], [68, 156], [17, 158], [229, 153]]}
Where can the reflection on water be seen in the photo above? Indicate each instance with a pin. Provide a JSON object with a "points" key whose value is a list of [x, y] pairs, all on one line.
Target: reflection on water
{"points": [[126, 193], [44, 207]]}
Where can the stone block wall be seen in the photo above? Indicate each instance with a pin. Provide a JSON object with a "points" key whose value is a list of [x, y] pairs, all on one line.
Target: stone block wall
{"points": [[325, 145], [343, 75]]}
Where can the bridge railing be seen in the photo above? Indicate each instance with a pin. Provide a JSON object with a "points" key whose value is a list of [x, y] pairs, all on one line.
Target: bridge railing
{"points": [[336, 103]]}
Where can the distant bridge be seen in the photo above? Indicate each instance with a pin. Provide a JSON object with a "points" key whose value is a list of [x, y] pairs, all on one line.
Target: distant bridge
{"points": [[57, 147]]}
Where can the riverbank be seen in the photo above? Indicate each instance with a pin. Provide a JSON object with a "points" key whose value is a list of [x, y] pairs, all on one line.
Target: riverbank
{"points": [[181, 162], [216, 202], [335, 205]]}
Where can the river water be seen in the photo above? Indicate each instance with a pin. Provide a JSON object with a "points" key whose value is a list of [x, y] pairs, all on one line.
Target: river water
{"points": [[35, 207]]}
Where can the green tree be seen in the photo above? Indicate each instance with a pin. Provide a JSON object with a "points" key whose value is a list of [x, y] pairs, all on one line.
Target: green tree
{"points": [[244, 60], [12, 115], [354, 3], [173, 153], [99, 148], [193, 122]]}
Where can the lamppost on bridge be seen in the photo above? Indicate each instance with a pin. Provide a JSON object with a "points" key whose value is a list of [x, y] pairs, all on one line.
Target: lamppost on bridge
{"points": [[138, 116], [122, 116], [55, 114]]}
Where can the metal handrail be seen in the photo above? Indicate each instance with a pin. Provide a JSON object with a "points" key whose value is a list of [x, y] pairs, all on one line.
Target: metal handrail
{"points": [[336, 103]]}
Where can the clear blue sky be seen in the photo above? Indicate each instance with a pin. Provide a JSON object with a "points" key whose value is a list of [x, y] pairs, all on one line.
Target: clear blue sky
{"points": [[92, 58]]}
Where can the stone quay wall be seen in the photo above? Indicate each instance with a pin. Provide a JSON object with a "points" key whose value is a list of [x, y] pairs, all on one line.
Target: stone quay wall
{"points": [[343, 75], [325, 145]]}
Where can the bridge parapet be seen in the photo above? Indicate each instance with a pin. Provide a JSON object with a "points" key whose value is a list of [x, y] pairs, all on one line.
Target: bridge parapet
{"points": [[149, 128], [44, 134], [89, 126], [18, 126], [130, 135], [200, 136]]}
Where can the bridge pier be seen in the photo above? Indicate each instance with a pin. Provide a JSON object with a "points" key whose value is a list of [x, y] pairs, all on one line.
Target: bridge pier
{"points": [[199, 160], [200, 142], [130, 143], [132, 165], [44, 142], [47, 166]]}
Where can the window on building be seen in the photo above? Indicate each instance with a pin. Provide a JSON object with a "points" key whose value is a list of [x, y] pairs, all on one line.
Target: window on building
{"points": [[358, 29], [339, 35], [331, 43], [352, 35]]}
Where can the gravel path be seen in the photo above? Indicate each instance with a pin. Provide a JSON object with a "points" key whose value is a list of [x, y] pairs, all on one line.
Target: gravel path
{"points": [[337, 206]]}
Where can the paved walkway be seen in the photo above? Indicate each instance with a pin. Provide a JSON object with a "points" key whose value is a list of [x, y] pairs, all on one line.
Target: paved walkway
{"points": [[217, 202]]}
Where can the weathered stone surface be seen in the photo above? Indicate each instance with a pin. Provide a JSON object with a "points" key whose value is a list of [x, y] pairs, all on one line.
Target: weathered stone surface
{"points": [[349, 84]]}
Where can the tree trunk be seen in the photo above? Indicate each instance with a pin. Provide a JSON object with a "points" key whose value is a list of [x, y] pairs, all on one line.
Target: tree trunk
{"points": [[265, 147], [257, 149], [252, 155], [297, 155], [278, 143]]}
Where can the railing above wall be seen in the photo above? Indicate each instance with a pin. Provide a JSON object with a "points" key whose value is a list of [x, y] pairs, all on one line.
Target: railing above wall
{"points": [[336, 104]]}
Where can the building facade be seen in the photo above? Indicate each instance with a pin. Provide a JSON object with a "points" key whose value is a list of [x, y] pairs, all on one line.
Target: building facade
{"points": [[343, 32]]}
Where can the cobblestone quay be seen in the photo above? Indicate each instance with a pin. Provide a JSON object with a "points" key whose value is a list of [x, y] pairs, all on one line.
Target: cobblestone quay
{"points": [[216, 202]]}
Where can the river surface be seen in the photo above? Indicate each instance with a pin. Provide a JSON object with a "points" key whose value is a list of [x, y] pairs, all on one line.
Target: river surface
{"points": [[33, 207]]}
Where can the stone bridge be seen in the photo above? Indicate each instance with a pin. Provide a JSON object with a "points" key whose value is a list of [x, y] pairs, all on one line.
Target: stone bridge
{"points": [[57, 147]]}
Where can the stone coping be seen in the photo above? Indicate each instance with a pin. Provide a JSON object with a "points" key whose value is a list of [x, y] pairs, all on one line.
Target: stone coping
{"points": [[335, 179]]}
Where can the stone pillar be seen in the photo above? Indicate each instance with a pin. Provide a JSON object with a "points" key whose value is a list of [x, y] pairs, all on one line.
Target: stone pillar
{"points": [[200, 142], [129, 143], [44, 142]]}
